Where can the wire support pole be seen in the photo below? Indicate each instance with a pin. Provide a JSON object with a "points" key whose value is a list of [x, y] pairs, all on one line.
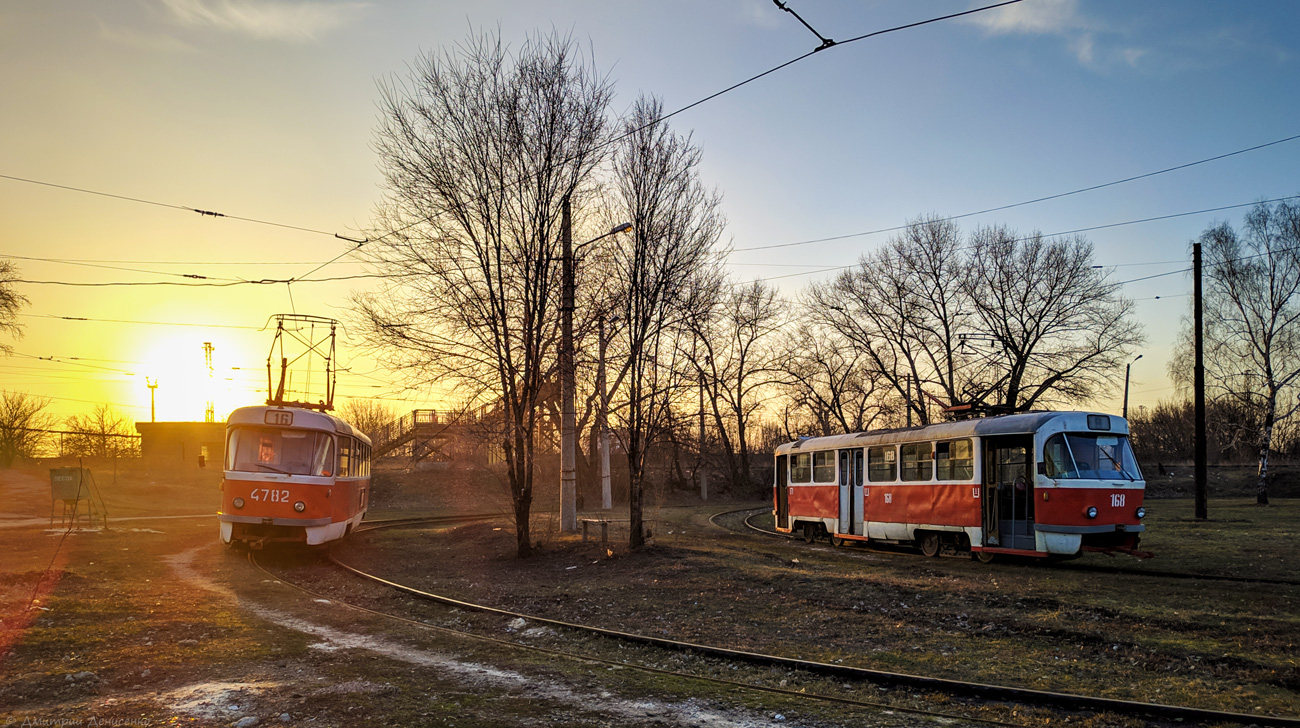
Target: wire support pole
{"points": [[568, 424]]}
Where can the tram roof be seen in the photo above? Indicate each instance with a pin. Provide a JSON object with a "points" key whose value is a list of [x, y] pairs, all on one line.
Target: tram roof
{"points": [[1014, 424], [303, 419]]}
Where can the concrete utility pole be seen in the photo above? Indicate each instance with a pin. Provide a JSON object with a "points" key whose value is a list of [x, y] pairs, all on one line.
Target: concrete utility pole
{"points": [[606, 489], [1198, 391], [568, 425]]}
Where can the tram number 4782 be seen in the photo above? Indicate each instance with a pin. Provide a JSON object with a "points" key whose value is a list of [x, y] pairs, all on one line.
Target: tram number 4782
{"points": [[282, 496], [1117, 500]]}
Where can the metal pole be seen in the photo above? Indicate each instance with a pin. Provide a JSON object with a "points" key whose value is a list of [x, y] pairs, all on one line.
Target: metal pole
{"points": [[1198, 390], [606, 489], [1126, 370], [568, 425]]}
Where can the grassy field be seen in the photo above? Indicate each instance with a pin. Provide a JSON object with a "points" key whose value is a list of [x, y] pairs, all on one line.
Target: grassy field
{"points": [[154, 621]]}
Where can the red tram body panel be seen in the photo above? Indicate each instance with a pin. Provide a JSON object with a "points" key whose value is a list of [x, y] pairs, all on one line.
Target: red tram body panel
{"points": [[1038, 483], [292, 475]]}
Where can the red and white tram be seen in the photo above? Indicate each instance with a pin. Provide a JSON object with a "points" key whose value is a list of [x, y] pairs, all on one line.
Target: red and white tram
{"points": [[292, 474], [1032, 484]]}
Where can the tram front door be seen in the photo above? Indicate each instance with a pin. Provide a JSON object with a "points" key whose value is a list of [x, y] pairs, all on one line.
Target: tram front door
{"points": [[1008, 498]]}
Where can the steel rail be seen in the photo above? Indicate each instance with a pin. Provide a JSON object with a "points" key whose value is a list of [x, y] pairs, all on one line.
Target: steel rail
{"points": [[784, 692], [1064, 566], [984, 691]]}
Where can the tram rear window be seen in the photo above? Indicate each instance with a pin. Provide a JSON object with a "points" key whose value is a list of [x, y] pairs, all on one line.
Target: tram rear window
{"points": [[272, 450], [801, 467], [1075, 456]]}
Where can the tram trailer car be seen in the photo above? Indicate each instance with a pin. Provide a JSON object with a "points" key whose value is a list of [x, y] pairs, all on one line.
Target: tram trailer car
{"points": [[1046, 484], [292, 475]]}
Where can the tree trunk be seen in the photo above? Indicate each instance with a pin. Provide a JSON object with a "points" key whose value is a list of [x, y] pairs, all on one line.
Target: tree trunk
{"points": [[1265, 441]]}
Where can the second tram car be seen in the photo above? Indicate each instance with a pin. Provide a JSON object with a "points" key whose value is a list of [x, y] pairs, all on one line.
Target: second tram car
{"points": [[1034, 484], [293, 475]]}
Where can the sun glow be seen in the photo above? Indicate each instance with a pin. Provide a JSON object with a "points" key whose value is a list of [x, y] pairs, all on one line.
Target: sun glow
{"points": [[185, 385]]}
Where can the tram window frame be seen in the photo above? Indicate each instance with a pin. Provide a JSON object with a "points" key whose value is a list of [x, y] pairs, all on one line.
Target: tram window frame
{"points": [[824, 471], [345, 457], [801, 467], [921, 468], [887, 464], [947, 467]]}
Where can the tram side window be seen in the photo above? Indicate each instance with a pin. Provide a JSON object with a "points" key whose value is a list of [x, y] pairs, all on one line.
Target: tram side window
{"points": [[345, 457], [954, 460], [824, 466], [801, 467], [917, 463], [882, 464]]}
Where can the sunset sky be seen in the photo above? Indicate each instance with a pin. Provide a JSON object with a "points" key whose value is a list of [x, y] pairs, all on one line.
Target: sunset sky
{"points": [[266, 110]]}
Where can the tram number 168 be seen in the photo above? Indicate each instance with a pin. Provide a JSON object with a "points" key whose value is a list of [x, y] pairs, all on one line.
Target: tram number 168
{"points": [[1117, 500]]}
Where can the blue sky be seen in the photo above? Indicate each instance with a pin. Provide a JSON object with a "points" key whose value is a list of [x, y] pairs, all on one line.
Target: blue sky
{"points": [[266, 110]]}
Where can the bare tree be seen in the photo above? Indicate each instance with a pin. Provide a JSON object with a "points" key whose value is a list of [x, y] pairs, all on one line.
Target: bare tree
{"points": [[902, 308], [1060, 330], [10, 302], [370, 416], [661, 270], [23, 426], [1252, 319], [737, 360], [828, 388], [479, 149], [103, 432]]}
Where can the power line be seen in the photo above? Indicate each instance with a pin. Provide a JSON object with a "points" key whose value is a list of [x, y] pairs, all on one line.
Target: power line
{"points": [[206, 213], [1027, 202], [146, 323], [1075, 231]]}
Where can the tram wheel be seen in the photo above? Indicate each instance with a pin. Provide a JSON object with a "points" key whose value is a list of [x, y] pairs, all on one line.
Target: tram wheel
{"points": [[837, 541], [810, 532], [930, 544], [985, 557]]}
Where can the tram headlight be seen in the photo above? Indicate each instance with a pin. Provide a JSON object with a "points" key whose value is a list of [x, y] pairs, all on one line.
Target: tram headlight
{"points": [[238, 502], [300, 506], [1141, 512], [1091, 512]]}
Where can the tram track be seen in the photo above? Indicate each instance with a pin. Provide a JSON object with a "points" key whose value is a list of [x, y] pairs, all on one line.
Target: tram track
{"points": [[1061, 565], [997, 694]]}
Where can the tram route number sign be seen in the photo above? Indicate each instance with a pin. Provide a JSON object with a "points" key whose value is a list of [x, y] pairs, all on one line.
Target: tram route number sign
{"points": [[279, 417]]}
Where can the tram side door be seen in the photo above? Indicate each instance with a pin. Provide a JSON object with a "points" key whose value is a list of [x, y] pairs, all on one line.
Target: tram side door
{"points": [[1007, 500], [851, 492], [782, 492]]}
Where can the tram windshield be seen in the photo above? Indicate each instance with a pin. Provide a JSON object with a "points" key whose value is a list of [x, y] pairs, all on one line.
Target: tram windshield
{"points": [[270, 450], [1076, 456]]}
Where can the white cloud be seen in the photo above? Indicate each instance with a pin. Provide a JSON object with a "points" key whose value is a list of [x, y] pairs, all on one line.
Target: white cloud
{"points": [[267, 19], [1041, 17]]}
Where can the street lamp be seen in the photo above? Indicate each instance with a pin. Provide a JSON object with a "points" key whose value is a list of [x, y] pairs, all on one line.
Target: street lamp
{"points": [[1126, 370], [568, 415]]}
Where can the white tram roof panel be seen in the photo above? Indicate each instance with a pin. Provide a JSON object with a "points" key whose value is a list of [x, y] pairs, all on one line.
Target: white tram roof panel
{"points": [[304, 419], [1015, 424]]}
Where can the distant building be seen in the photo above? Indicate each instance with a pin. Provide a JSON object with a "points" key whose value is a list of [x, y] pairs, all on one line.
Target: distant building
{"points": [[195, 443]]}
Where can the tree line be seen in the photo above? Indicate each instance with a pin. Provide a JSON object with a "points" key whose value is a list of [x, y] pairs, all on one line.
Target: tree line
{"points": [[27, 431], [482, 149]]}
